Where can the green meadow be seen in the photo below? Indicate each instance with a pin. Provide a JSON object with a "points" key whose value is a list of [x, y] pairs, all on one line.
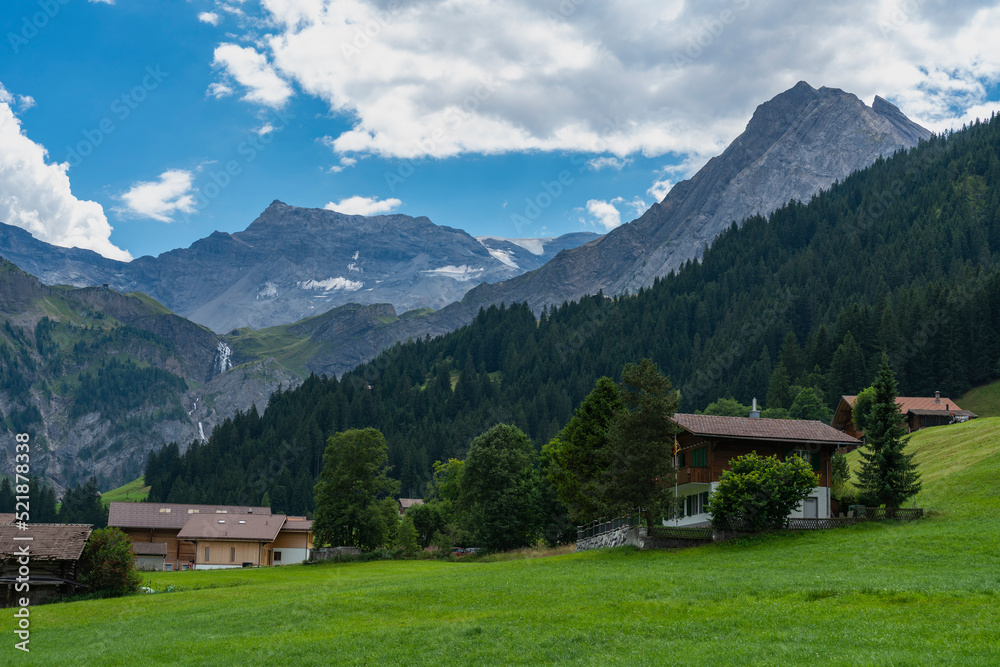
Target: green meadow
{"points": [[925, 592]]}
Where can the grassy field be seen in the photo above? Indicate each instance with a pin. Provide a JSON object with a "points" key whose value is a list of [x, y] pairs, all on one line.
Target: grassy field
{"points": [[926, 592], [135, 491], [984, 400]]}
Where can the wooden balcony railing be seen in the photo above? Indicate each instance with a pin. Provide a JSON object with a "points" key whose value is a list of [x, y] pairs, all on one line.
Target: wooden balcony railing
{"points": [[695, 475]]}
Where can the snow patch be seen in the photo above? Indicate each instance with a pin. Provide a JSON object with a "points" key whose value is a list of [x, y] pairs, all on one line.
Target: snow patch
{"points": [[356, 254], [267, 291], [503, 256], [461, 273], [354, 267], [331, 284], [534, 246]]}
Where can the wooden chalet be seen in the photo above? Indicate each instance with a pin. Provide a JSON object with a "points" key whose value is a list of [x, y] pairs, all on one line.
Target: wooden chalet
{"points": [[707, 443], [253, 541], [238, 540], [407, 503], [920, 412], [53, 560]]}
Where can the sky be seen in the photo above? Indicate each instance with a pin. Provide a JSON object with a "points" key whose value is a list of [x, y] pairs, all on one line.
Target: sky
{"points": [[132, 127]]}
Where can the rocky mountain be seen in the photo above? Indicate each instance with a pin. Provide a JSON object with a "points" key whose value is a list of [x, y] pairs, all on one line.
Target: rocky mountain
{"points": [[292, 263], [795, 145], [100, 378]]}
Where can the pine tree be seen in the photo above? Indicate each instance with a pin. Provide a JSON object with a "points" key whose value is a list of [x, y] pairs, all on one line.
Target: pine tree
{"points": [[888, 475]]}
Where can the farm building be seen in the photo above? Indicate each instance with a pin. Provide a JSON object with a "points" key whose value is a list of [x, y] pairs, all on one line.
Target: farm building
{"points": [[262, 539], [920, 412], [54, 552], [407, 503], [707, 443], [149, 556]]}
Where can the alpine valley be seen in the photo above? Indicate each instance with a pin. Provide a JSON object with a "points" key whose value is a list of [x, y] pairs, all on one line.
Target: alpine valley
{"points": [[107, 361]]}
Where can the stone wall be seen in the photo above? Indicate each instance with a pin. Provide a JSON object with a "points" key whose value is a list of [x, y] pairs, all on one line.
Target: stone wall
{"points": [[618, 537], [333, 553]]}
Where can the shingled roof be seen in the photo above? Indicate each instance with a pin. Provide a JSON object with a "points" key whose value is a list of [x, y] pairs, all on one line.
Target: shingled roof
{"points": [[252, 527], [785, 430], [49, 541], [170, 515], [149, 548], [922, 403], [297, 524]]}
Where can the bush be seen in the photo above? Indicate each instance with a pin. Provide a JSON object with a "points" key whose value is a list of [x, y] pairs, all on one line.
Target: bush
{"points": [[758, 492], [107, 565]]}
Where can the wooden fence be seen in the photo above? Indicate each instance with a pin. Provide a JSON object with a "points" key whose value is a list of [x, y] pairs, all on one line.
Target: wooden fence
{"points": [[860, 515]]}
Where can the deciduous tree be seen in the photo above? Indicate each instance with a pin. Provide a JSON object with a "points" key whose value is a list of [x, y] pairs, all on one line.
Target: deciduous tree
{"points": [[758, 492]]}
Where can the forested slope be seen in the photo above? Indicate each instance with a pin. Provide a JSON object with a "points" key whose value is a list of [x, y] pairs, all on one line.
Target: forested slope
{"points": [[901, 256]]}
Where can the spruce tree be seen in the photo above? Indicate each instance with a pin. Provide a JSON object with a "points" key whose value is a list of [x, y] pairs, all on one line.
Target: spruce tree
{"points": [[888, 475]]}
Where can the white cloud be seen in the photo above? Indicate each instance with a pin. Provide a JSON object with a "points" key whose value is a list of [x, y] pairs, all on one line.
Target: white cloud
{"points": [[345, 162], [264, 129], [659, 189], [605, 213], [363, 206], [210, 18], [446, 77], [219, 90], [172, 193], [608, 215], [252, 71], [36, 195], [608, 163], [105, 2]]}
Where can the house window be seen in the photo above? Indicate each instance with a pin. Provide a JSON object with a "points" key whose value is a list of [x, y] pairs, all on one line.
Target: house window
{"points": [[277, 556], [680, 459], [206, 554], [699, 457], [232, 554], [812, 458], [696, 504], [169, 567]]}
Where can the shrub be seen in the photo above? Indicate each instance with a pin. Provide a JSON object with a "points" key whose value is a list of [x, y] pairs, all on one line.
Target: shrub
{"points": [[107, 565], [758, 492]]}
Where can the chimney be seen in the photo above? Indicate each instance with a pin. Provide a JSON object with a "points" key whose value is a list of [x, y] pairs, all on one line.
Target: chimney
{"points": [[937, 396], [754, 412]]}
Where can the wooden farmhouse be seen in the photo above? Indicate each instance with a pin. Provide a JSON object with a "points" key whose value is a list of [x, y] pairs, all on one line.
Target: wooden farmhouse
{"points": [[53, 560], [234, 536], [407, 503], [707, 443], [920, 412]]}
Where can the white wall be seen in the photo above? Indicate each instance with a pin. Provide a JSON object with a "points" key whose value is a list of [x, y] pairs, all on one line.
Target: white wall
{"points": [[821, 493], [290, 556], [203, 566]]}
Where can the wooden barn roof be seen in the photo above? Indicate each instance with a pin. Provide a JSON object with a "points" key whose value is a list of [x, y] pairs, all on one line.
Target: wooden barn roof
{"points": [[170, 515], [921, 403], [50, 541], [149, 548], [252, 527], [786, 430], [297, 524]]}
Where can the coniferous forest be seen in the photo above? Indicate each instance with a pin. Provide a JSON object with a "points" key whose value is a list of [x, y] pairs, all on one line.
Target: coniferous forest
{"points": [[901, 257]]}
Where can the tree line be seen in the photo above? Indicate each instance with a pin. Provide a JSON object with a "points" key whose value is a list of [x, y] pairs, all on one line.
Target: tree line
{"points": [[796, 308]]}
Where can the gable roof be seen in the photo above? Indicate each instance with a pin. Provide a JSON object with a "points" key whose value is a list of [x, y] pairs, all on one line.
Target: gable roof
{"points": [[149, 548], [908, 403], [170, 515], [786, 430], [252, 527], [49, 541], [407, 503], [297, 524]]}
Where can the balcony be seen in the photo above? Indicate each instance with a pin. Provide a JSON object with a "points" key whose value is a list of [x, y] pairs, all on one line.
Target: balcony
{"points": [[691, 475]]}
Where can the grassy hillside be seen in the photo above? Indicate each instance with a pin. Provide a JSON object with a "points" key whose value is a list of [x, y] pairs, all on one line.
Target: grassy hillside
{"points": [[133, 492], [984, 400], [908, 593]]}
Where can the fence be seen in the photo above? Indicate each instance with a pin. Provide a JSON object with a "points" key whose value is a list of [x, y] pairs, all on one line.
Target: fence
{"points": [[676, 533], [601, 526], [860, 515]]}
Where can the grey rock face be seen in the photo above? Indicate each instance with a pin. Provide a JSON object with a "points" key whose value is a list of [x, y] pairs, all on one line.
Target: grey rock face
{"points": [[292, 263], [795, 145]]}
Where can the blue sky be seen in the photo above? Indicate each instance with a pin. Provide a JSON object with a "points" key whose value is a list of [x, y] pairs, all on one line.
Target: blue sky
{"points": [[134, 127]]}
